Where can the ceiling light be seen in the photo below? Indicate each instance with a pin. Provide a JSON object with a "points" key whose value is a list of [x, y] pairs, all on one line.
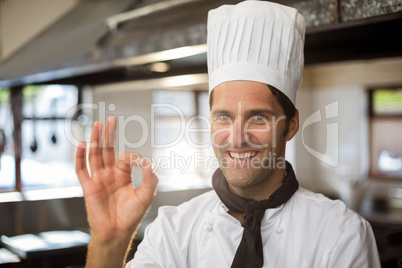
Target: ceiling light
{"points": [[158, 67]]}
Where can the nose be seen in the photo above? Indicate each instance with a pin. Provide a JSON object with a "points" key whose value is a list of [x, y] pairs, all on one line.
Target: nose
{"points": [[237, 134]]}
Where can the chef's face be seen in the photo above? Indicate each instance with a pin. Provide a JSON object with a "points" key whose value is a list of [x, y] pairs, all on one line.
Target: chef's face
{"points": [[248, 132]]}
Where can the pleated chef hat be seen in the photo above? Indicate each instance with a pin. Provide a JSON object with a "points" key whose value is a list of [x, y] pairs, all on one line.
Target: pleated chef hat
{"points": [[256, 41]]}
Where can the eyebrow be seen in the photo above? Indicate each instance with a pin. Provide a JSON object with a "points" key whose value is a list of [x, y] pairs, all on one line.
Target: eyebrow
{"points": [[248, 112], [260, 111], [220, 111]]}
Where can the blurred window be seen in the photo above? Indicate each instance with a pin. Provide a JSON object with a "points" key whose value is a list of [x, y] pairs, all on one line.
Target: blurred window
{"points": [[47, 158], [386, 130], [182, 152]]}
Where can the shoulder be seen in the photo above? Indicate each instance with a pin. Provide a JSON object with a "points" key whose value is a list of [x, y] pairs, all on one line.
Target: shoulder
{"points": [[317, 202], [200, 202], [342, 236], [168, 237], [189, 212], [322, 210]]}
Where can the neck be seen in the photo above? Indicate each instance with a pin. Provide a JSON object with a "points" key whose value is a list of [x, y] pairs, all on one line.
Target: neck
{"points": [[263, 189]]}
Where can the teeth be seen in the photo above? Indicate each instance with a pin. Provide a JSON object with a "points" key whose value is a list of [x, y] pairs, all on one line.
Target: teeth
{"points": [[243, 155]]}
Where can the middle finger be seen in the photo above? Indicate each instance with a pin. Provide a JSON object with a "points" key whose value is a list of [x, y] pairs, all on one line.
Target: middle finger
{"points": [[95, 148], [108, 153]]}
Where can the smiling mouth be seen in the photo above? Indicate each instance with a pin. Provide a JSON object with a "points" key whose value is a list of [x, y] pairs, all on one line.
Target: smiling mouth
{"points": [[242, 156]]}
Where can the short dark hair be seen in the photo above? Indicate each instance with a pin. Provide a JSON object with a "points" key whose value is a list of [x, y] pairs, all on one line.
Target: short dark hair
{"points": [[287, 106]]}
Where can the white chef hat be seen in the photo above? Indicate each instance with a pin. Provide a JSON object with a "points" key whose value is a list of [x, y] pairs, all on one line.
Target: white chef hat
{"points": [[256, 41]]}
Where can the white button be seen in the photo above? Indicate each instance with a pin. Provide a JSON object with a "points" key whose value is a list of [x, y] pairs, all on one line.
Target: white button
{"points": [[208, 228], [279, 230]]}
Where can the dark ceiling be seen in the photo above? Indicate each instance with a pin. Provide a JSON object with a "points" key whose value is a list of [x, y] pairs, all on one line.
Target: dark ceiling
{"points": [[331, 41]]}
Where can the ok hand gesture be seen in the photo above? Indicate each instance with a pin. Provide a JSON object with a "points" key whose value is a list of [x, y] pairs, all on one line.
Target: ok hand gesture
{"points": [[114, 207]]}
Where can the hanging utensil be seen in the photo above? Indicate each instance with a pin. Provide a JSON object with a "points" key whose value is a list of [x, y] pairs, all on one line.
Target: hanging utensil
{"points": [[34, 144], [54, 138], [54, 123]]}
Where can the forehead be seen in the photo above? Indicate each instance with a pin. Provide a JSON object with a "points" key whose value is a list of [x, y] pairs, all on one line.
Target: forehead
{"points": [[251, 94]]}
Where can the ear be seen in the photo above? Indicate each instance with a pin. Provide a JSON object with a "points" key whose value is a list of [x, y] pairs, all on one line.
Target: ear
{"points": [[293, 126]]}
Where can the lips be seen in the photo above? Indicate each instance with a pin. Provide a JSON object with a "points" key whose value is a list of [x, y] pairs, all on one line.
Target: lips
{"points": [[242, 156]]}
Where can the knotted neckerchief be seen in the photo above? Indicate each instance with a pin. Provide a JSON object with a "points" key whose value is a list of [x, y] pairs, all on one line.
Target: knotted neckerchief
{"points": [[250, 253]]}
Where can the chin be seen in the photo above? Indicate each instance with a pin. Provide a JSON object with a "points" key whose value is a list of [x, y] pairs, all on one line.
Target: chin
{"points": [[242, 178]]}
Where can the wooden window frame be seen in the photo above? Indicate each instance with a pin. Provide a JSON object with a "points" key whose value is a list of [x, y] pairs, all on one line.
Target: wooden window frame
{"points": [[371, 115]]}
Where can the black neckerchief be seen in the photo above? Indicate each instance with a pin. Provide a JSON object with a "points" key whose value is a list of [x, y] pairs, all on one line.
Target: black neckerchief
{"points": [[250, 252]]}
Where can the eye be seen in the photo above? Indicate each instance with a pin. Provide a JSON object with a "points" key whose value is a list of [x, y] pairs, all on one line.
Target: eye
{"points": [[223, 117], [259, 118]]}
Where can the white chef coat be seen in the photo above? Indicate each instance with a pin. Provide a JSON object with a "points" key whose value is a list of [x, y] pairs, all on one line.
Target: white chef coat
{"points": [[309, 230]]}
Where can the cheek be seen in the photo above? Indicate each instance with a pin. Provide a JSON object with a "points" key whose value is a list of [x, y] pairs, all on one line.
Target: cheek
{"points": [[260, 137], [280, 128], [219, 134]]}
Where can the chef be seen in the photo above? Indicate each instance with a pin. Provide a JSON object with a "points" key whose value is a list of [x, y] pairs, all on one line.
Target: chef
{"points": [[257, 215]]}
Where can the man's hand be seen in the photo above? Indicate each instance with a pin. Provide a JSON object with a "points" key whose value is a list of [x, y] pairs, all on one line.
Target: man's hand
{"points": [[114, 207]]}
